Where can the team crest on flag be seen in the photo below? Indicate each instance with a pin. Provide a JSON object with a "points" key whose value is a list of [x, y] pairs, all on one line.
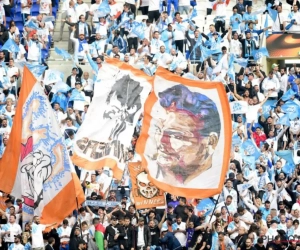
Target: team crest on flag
{"points": [[145, 193], [103, 138], [186, 136]]}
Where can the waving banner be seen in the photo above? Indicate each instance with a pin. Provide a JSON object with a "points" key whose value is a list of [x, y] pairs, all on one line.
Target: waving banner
{"points": [[186, 136], [103, 138], [40, 168], [238, 107], [145, 193]]}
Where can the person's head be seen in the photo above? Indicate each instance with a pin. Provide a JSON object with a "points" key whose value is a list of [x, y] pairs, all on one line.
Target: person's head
{"points": [[236, 218], [121, 220], [212, 28], [270, 186], [156, 34], [271, 74], [151, 224], [234, 10], [127, 221], [112, 193], [126, 7], [81, 243], [182, 201], [93, 177], [248, 243], [82, 18], [267, 204], [279, 8], [74, 71], [221, 236], [228, 200], [65, 223], [17, 239], [51, 241], [131, 209], [249, 9], [12, 210], [36, 220], [177, 16], [130, 154], [114, 220], [69, 121], [141, 221], [295, 8], [82, 211], [86, 75], [178, 219], [162, 49], [147, 59], [282, 219], [241, 210]]}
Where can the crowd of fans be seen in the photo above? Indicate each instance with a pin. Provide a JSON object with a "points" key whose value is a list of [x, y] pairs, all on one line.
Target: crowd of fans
{"points": [[264, 216]]}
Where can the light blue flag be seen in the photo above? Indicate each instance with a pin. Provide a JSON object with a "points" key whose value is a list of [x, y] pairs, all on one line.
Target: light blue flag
{"points": [[284, 120], [288, 168], [286, 155], [272, 13], [205, 53], [231, 60], [11, 46], [242, 62], [194, 14], [231, 73], [31, 24], [76, 96], [290, 24], [259, 53], [1, 85], [104, 9], [249, 161], [62, 53], [236, 141], [251, 148], [48, 19], [36, 70], [268, 105], [288, 95], [138, 29], [205, 205], [189, 75], [243, 187], [214, 241], [61, 87], [266, 25], [291, 108], [61, 99]]}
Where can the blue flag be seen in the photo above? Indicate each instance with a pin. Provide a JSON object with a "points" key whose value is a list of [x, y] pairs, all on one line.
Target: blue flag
{"points": [[286, 155], [288, 95], [205, 53], [31, 24], [251, 148], [272, 13], [291, 108], [37, 70], [138, 29], [76, 96], [249, 161], [259, 53], [267, 106], [61, 99], [61, 87], [236, 140], [194, 14], [266, 26], [11, 46], [288, 168], [205, 205], [290, 24], [62, 53], [284, 120], [242, 62], [104, 9]]}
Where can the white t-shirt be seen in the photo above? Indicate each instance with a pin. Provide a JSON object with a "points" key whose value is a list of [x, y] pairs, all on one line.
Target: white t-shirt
{"points": [[72, 15], [34, 50], [64, 232], [14, 230], [81, 9], [115, 9], [180, 29], [181, 237], [25, 10], [15, 246], [45, 6], [251, 115], [2, 13], [37, 235], [153, 5], [93, 10], [184, 3]]}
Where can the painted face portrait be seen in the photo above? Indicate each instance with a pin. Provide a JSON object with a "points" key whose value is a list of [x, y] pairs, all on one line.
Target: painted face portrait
{"points": [[188, 135]]}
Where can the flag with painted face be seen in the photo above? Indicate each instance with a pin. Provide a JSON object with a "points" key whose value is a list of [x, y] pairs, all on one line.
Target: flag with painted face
{"points": [[40, 168], [185, 140], [105, 135]]}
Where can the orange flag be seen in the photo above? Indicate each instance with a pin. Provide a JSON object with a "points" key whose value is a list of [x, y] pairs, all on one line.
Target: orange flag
{"points": [[36, 165], [145, 193], [185, 140]]}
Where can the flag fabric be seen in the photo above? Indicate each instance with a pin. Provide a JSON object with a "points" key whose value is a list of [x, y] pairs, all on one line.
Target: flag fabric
{"points": [[145, 194], [186, 136], [205, 205], [40, 168], [238, 107], [290, 24], [104, 9], [48, 19], [61, 99], [259, 53], [242, 62], [11, 46], [138, 29], [243, 187], [288, 168], [266, 26], [251, 149], [288, 95], [231, 73], [205, 53], [286, 155], [284, 120], [31, 24], [249, 161], [52, 76], [104, 136], [267, 106], [291, 108], [61, 87], [76, 96], [37, 70], [272, 13], [236, 140], [62, 53], [259, 11]]}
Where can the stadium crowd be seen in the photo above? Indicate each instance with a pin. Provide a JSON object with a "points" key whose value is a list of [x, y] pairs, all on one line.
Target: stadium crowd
{"points": [[262, 216]]}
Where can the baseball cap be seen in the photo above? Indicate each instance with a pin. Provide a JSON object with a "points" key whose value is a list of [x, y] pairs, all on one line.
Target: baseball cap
{"points": [[274, 65], [113, 218]]}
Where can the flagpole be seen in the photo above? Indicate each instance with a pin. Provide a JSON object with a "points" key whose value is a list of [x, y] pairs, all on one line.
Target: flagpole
{"points": [[78, 217], [213, 210]]}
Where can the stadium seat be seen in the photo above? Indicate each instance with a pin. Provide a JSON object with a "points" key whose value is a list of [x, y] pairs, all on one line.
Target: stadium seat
{"points": [[18, 18]]}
